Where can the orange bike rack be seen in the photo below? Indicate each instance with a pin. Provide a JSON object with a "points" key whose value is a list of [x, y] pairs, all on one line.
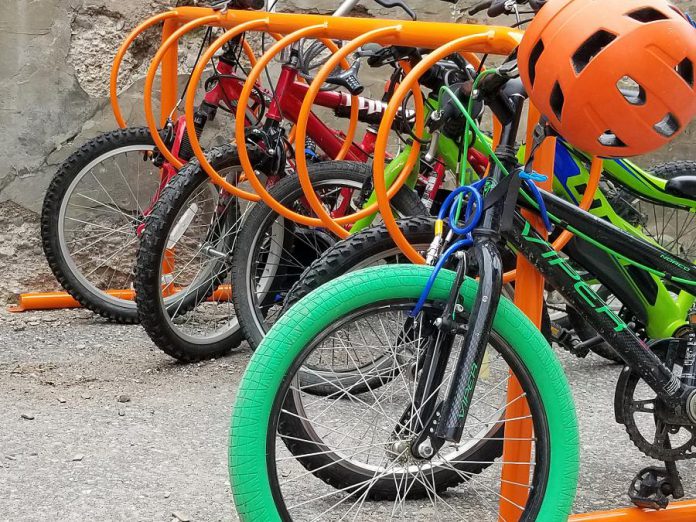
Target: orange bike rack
{"points": [[449, 38], [501, 40]]}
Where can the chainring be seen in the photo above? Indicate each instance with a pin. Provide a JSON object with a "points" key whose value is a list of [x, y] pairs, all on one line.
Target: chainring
{"points": [[669, 442]]}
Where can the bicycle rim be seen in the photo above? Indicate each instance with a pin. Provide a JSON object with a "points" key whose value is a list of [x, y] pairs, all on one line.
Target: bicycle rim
{"points": [[104, 205]]}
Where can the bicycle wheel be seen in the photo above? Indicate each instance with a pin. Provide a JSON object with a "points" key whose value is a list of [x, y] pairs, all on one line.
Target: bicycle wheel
{"points": [[296, 456], [182, 269], [671, 228], [90, 215], [273, 252]]}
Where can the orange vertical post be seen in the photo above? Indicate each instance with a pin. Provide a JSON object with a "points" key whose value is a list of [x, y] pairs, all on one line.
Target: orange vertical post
{"points": [[529, 297], [169, 73], [169, 78]]}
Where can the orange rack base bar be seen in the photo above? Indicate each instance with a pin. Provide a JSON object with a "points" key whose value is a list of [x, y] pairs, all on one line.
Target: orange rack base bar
{"points": [[58, 300], [676, 512]]}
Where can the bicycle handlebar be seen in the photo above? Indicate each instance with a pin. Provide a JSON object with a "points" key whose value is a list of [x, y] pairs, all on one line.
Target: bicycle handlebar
{"points": [[500, 7]]}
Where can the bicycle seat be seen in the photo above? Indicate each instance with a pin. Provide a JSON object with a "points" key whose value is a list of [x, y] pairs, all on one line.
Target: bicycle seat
{"points": [[682, 186]]}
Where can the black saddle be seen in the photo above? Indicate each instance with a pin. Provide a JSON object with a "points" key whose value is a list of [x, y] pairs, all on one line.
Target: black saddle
{"points": [[682, 186]]}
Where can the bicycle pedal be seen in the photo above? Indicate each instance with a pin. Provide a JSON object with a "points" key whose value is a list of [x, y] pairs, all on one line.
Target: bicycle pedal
{"points": [[566, 340], [651, 488]]}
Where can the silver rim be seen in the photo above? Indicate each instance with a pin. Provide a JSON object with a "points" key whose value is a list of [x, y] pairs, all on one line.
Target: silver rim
{"points": [[111, 238], [201, 265], [355, 431], [261, 276]]}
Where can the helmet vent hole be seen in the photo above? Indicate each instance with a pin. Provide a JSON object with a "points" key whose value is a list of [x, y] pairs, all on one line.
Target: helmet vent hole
{"points": [[557, 100], [533, 59], [631, 91], [685, 69], [591, 48], [609, 139], [647, 15], [668, 126]]}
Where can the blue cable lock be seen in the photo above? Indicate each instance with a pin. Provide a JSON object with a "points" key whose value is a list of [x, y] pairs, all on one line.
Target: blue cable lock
{"points": [[473, 205]]}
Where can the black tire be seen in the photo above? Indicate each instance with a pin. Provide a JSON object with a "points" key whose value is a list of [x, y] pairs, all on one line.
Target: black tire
{"points": [[358, 251], [60, 260], [156, 312], [251, 317], [666, 171]]}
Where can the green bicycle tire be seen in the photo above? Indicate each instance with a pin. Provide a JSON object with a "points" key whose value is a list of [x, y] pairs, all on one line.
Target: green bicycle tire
{"points": [[249, 431]]}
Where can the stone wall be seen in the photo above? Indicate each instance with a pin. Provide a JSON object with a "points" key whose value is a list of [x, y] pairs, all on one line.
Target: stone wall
{"points": [[55, 58]]}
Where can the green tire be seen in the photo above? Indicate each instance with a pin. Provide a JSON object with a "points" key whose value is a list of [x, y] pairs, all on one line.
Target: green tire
{"points": [[249, 477]]}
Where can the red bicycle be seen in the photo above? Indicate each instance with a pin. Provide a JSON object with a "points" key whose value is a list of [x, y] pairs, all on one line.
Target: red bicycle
{"points": [[96, 204]]}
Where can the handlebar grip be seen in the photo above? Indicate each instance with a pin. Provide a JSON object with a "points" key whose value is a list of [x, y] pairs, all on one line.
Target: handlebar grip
{"points": [[497, 8], [479, 7], [250, 4], [349, 81], [353, 85], [491, 83], [537, 4]]}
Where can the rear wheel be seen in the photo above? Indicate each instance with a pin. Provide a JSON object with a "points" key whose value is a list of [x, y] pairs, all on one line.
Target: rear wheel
{"points": [[182, 282], [90, 217], [273, 253]]}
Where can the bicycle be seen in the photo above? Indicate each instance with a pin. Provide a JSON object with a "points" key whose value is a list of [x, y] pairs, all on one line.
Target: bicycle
{"points": [[628, 192], [197, 321], [96, 204], [442, 330]]}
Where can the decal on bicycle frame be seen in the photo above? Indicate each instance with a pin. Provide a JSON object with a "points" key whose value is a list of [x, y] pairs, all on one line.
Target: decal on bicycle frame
{"points": [[584, 290]]}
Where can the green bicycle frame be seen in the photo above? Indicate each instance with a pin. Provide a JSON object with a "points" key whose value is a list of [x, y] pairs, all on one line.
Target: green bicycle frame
{"points": [[662, 314]]}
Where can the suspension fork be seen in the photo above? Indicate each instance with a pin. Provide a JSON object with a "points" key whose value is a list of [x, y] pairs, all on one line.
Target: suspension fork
{"points": [[456, 406]]}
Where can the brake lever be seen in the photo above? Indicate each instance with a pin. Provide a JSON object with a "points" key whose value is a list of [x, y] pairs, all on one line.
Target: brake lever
{"points": [[480, 7], [398, 3]]}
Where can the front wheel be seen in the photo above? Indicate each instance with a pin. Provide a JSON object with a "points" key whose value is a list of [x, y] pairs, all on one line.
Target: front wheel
{"points": [[296, 456]]}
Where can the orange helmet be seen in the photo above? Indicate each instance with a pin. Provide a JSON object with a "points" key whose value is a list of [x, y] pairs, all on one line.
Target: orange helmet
{"points": [[614, 78]]}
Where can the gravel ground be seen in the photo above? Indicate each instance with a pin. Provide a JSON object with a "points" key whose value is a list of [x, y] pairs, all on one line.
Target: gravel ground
{"points": [[97, 424]]}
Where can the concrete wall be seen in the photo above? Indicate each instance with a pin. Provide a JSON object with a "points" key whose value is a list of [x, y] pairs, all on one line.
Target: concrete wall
{"points": [[55, 57]]}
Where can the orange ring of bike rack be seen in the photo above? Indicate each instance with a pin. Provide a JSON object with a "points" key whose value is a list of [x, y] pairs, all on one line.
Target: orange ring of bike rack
{"points": [[150, 80], [383, 136], [115, 67], [381, 142], [240, 128], [301, 163], [241, 103], [152, 72], [190, 101]]}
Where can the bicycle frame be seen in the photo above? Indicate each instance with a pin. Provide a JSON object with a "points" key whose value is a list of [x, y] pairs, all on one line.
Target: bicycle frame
{"points": [[648, 298], [646, 295], [639, 253], [678, 397], [286, 100]]}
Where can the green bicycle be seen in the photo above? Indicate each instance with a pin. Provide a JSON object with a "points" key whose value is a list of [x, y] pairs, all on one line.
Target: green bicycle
{"points": [[407, 434]]}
